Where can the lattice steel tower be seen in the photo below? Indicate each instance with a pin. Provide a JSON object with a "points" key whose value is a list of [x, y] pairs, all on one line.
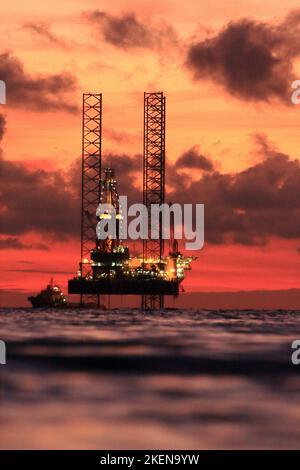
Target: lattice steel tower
{"points": [[91, 175], [154, 181]]}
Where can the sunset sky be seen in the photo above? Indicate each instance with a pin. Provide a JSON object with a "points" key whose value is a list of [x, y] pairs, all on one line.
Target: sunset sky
{"points": [[233, 139]]}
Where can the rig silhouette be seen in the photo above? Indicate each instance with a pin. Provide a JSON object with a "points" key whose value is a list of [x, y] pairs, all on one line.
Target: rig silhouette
{"points": [[106, 267]]}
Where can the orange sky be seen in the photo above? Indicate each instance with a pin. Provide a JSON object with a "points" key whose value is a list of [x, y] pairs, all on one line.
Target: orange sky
{"points": [[198, 113]]}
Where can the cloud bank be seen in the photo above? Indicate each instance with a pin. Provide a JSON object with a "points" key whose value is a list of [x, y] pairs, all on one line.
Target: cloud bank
{"points": [[47, 92], [252, 60], [247, 207], [127, 32]]}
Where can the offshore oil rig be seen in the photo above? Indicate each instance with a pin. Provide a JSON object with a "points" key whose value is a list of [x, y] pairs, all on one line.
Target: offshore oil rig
{"points": [[106, 267]]}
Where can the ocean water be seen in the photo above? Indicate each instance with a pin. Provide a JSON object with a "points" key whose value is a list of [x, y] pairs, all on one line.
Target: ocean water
{"points": [[123, 379]]}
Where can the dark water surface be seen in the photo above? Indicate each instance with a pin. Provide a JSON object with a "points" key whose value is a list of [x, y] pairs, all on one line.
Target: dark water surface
{"points": [[124, 379]]}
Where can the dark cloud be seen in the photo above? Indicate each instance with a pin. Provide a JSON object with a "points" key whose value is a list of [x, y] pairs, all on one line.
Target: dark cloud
{"points": [[44, 31], [14, 243], [128, 32], [252, 205], [123, 163], [2, 126], [37, 200], [128, 171], [252, 60], [48, 202], [120, 137], [40, 271], [193, 159], [37, 93], [247, 207]]}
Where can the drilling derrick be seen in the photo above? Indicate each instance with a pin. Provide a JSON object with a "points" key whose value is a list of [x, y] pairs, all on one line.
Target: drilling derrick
{"points": [[154, 182], [110, 256], [110, 210]]}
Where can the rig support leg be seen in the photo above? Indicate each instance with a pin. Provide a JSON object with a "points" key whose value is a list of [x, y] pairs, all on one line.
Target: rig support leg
{"points": [[152, 302]]}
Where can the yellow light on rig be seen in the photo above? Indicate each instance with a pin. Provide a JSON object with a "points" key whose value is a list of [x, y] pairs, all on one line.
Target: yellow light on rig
{"points": [[105, 216]]}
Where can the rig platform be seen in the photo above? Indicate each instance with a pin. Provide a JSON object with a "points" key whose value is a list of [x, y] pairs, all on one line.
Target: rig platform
{"points": [[106, 267]]}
